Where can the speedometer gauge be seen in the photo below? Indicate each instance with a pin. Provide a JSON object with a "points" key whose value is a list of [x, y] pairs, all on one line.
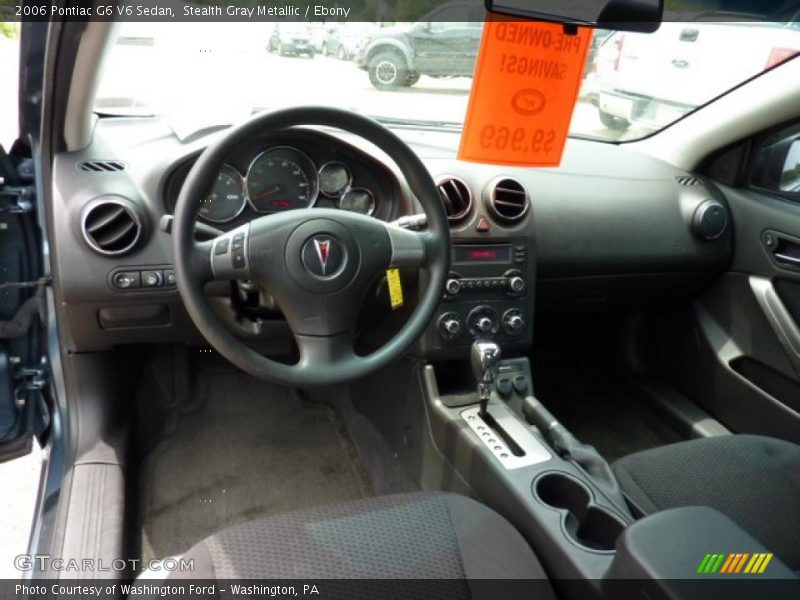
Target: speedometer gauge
{"points": [[226, 199], [281, 178]]}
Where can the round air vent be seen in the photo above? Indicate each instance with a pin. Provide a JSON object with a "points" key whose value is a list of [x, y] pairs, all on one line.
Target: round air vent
{"points": [[111, 225], [456, 197], [507, 199], [710, 220]]}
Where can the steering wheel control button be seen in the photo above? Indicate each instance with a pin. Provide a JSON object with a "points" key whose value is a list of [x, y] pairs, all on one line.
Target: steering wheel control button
{"points": [[229, 254], [324, 256], [221, 247], [127, 280], [152, 279], [238, 260]]}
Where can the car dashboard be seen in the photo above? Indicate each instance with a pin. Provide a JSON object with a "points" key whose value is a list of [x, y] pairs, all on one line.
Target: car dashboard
{"points": [[608, 227]]}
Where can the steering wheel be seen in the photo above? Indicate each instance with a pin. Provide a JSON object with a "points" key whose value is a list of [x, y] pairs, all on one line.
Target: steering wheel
{"points": [[319, 264]]}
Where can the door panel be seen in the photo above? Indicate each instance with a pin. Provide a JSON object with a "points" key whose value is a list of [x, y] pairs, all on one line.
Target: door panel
{"points": [[739, 355]]}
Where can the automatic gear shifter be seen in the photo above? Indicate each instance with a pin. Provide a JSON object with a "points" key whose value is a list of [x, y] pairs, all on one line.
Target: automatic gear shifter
{"points": [[484, 356]]}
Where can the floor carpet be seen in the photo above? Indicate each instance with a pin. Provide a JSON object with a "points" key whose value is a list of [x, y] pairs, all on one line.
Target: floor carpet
{"points": [[246, 449]]}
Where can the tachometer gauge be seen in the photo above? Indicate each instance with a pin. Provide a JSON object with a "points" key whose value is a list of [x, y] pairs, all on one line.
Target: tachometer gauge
{"points": [[359, 200], [227, 198], [281, 178], [334, 178]]}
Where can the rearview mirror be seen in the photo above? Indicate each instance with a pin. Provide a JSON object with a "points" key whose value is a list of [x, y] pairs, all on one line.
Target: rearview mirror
{"points": [[622, 15]]}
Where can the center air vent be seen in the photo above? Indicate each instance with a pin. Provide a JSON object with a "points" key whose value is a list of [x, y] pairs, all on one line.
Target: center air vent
{"points": [[101, 166], [111, 225], [507, 200], [456, 197]]}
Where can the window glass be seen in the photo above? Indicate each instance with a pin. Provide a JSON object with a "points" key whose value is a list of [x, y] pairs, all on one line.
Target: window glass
{"points": [[776, 166], [790, 174], [9, 78]]}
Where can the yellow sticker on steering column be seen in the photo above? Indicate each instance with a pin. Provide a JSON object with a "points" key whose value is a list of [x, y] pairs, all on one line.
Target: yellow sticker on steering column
{"points": [[395, 288]]}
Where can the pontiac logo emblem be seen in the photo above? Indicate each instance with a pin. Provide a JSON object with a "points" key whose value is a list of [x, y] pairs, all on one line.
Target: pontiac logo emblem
{"points": [[323, 255], [323, 252]]}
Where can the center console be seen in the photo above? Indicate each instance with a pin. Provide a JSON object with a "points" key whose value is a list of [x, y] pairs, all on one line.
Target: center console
{"points": [[488, 296], [513, 467]]}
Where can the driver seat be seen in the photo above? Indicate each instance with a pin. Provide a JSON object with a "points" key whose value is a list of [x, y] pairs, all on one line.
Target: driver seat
{"points": [[422, 535]]}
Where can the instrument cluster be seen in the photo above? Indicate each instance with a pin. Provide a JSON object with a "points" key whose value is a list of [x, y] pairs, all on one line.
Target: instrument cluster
{"points": [[281, 176]]}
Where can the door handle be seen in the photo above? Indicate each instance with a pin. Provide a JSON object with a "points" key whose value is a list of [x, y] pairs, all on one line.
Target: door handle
{"points": [[787, 258], [784, 249]]}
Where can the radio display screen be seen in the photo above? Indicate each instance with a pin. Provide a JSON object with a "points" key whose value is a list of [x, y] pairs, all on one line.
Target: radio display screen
{"points": [[495, 253]]}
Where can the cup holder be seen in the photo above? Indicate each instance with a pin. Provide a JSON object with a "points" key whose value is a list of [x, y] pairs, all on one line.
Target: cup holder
{"points": [[587, 524]]}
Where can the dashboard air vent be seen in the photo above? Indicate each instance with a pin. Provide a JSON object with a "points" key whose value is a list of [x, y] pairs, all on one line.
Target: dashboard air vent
{"points": [[507, 200], [111, 226], [456, 197], [101, 166], [688, 181]]}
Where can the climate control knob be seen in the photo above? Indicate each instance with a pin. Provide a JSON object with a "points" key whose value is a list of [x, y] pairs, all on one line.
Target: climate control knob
{"points": [[450, 326], [484, 324], [513, 321]]}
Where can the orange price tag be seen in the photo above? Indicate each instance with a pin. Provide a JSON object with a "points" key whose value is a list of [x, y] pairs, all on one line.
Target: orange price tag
{"points": [[524, 90]]}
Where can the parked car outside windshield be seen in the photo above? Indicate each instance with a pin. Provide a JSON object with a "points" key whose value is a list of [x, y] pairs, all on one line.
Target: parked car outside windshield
{"points": [[634, 84], [650, 80]]}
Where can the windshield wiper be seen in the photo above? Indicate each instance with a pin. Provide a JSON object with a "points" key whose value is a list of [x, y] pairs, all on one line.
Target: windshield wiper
{"points": [[419, 123]]}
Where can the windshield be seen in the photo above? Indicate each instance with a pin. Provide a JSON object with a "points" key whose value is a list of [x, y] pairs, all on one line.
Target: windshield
{"points": [[419, 73]]}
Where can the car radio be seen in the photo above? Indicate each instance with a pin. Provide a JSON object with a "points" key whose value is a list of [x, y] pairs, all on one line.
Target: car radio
{"points": [[486, 296]]}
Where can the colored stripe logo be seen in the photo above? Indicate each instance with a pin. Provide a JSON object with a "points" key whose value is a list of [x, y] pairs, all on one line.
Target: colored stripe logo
{"points": [[729, 563]]}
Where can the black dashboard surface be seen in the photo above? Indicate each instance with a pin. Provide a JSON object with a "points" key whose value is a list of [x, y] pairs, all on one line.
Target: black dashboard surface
{"points": [[608, 222]]}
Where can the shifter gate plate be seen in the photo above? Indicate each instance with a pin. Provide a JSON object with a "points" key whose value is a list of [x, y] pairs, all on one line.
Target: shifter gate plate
{"points": [[533, 451]]}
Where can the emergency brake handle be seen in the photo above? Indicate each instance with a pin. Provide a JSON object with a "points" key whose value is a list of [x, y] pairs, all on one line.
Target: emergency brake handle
{"points": [[568, 447]]}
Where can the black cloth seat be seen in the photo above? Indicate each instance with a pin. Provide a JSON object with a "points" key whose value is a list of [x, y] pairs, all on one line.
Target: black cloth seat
{"points": [[406, 536], [754, 480]]}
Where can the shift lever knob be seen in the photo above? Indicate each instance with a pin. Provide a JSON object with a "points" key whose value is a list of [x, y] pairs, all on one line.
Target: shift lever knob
{"points": [[485, 357]]}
